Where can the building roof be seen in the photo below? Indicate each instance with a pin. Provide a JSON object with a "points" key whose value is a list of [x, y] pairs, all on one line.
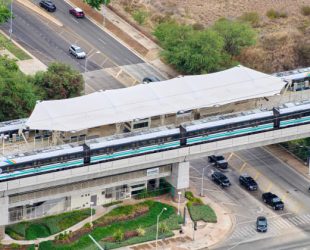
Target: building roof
{"points": [[147, 100]]}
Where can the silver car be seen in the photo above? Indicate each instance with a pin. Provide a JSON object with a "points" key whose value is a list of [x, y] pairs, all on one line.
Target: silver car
{"points": [[77, 52]]}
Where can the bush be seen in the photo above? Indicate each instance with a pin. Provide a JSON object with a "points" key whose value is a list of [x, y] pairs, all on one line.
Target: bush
{"points": [[141, 231], [140, 16], [163, 228], [250, 17], [305, 10], [273, 14], [118, 235], [112, 203], [15, 246]]}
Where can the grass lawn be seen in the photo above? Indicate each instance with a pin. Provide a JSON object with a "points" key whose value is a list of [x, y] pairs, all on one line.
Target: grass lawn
{"points": [[47, 226], [16, 51], [202, 212], [198, 210], [146, 221]]}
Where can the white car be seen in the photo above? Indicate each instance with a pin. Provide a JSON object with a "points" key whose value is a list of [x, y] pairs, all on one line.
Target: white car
{"points": [[77, 52]]}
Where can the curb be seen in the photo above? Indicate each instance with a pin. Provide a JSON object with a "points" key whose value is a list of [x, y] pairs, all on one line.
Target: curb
{"points": [[39, 11]]}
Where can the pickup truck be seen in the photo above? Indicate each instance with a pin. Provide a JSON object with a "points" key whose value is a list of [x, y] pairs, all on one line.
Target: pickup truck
{"points": [[273, 200], [218, 161]]}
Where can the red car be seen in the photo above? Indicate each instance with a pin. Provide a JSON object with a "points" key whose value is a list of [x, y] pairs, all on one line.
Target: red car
{"points": [[77, 12]]}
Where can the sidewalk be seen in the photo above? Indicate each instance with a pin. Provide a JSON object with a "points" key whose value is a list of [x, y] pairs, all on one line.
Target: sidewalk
{"points": [[289, 159]]}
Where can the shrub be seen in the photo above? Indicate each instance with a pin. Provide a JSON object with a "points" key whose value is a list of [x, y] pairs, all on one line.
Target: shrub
{"points": [[140, 16], [141, 231], [112, 203], [202, 212], [118, 235], [305, 10], [163, 228], [250, 17], [273, 14], [15, 246]]}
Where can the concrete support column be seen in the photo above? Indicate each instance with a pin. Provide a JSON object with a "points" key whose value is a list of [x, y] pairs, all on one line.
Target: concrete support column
{"points": [[157, 183], [179, 179], [162, 120], [4, 214], [118, 128]]}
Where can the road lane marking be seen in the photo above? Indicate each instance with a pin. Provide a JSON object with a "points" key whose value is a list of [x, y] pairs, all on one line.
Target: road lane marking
{"points": [[269, 187], [74, 20], [102, 41], [257, 175], [242, 167]]}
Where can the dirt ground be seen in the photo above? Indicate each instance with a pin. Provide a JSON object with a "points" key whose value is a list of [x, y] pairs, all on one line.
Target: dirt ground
{"points": [[280, 41]]}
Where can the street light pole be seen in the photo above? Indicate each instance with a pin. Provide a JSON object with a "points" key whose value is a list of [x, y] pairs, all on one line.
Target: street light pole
{"points": [[91, 214], [164, 209], [179, 193], [11, 23], [202, 177]]}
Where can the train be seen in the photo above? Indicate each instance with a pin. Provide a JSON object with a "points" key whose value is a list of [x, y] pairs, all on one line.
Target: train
{"points": [[153, 140], [298, 79]]}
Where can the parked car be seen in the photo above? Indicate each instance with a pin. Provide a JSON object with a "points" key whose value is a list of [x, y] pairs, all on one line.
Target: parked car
{"points": [[48, 5], [77, 52], [220, 179], [261, 224], [149, 79], [218, 161], [248, 182], [273, 200], [77, 12]]}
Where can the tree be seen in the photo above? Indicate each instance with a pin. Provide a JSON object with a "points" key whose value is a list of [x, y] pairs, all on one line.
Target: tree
{"points": [[59, 81], [236, 35], [18, 94], [5, 13], [96, 4], [191, 51]]}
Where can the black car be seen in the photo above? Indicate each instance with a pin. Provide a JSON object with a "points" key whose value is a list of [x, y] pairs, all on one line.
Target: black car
{"points": [[248, 182], [220, 179], [273, 200], [149, 79], [261, 224], [218, 161], [48, 5]]}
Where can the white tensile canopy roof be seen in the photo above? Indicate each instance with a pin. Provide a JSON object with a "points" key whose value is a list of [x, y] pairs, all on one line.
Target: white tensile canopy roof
{"points": [[159, 98]]}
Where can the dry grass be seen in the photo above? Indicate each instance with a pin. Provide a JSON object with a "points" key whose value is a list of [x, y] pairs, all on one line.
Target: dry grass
{"points": [[280, 38]]}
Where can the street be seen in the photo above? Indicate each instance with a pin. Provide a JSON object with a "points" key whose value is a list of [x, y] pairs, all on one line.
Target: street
{"points": [[271, 175]]}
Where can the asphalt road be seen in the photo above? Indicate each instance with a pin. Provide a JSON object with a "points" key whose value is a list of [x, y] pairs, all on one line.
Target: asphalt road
{"points": [[273, 175], [50, 43]]}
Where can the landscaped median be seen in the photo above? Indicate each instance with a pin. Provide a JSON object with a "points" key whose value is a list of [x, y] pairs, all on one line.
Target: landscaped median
{"points": [[198, 210], [41, 228], [124, 225]]}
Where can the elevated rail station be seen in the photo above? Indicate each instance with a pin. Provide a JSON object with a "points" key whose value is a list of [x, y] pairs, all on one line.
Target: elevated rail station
{"points": [[166, 124]]}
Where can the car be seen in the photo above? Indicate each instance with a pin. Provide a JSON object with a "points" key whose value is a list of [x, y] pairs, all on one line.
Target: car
{"points": [[261, 224], [273, 200], [77, 12], [218, 161], [77, 52], [248, 182], [48, 5], [220, 179], [149, 79]]}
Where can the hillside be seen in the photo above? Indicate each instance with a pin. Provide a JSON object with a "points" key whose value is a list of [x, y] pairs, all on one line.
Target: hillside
{"points": [[283, 43]]}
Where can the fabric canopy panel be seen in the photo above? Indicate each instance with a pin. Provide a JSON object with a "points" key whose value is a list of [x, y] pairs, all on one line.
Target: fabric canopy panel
{"points": [[159, 98]]}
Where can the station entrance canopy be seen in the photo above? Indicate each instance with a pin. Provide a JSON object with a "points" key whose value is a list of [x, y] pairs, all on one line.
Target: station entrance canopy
{"points": [[159, 98]]}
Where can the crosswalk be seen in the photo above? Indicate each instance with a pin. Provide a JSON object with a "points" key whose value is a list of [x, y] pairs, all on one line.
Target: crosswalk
{"points": [[276, 226]]}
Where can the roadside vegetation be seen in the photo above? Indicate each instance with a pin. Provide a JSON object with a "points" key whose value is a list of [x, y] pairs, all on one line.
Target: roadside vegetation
{"points": [[20, 92], [40, 228], [11, 47], [125, 225], [198, 210]]}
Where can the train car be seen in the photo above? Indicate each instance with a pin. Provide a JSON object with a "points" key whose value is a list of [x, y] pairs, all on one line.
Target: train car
{"points": [[228, 126], [292, 114], [41, 161], [133, 144]]}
